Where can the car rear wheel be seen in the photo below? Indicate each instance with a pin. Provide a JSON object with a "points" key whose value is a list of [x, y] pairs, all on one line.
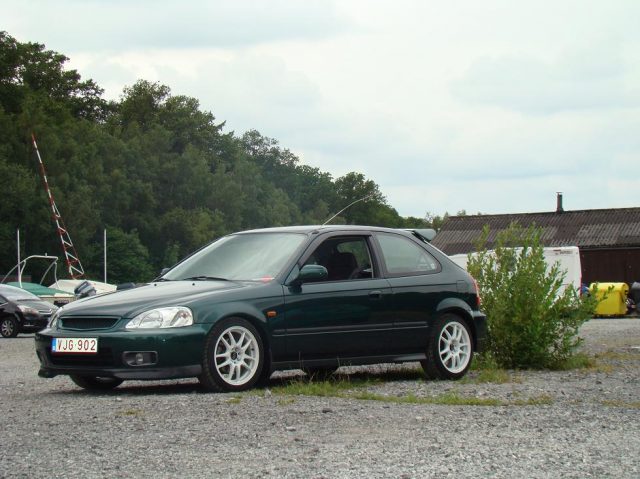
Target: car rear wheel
{"points": [[449, 349], [95, 383], [233, 357], [8, 327]]}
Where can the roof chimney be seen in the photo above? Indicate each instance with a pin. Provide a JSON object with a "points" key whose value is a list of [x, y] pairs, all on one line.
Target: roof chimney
{"points": [[559, 202]]}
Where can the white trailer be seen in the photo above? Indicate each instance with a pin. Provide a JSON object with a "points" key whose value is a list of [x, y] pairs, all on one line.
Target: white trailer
{"points": [[568, 258]]}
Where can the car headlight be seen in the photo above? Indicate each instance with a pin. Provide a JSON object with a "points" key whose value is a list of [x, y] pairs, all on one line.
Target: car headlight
{"points": [[176, 317], [27, 309], [53, 320]]}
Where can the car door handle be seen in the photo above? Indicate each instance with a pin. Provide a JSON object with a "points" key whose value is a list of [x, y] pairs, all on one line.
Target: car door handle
{"points": [[375, 294]]}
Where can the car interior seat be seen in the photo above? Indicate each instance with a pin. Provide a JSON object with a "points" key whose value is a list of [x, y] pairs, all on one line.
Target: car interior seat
{"points": [[341, 265]]}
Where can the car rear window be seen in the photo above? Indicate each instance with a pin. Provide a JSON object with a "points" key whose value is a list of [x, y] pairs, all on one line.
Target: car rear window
{"points": [[402, 256]]}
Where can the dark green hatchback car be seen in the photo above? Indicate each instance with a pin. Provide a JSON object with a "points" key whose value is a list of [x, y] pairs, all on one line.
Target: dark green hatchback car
{"points": [[309, 297]]}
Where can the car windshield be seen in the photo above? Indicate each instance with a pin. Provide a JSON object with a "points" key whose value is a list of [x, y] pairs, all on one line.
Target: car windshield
{"points": [[17, 294], [248, 256]]}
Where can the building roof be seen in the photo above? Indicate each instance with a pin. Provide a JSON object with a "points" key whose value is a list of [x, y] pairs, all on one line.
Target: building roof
{"points": [[588, 229]]}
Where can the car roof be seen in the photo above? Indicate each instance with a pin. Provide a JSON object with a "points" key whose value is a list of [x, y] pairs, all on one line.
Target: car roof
{"points": [[306, 229]]}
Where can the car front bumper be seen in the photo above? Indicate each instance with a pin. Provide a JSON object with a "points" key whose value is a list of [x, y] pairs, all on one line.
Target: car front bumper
{"points": [[32, 325], [177, 353]]}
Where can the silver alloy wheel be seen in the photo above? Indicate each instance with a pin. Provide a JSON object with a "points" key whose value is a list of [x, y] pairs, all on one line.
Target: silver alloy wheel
{"points": [[7, 327], [237, 355], [454, 347]]}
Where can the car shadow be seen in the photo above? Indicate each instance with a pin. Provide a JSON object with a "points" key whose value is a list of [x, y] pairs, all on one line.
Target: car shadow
{"points": [[355, 375], [135, 388]]}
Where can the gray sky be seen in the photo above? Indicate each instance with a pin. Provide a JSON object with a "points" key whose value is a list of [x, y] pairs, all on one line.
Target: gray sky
{"points": [[488, 106]]}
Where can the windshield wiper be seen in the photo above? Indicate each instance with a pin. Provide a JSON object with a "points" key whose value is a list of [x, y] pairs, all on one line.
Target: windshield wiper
{"points": [[204, 278]]}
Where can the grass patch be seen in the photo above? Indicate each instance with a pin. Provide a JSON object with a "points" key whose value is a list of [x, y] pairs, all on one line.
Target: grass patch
{"points": [[577, 361], [341, 388], [285, 401], [447, 399], [329, 388], [131, 412], [618, 356], [484, 362], [622, 404], [234, 400], [542, 400], [385, 374], [485, 369]]}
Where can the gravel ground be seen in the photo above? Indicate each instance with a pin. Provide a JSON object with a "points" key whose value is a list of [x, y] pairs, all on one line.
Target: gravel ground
{"points": [[583, 423]]}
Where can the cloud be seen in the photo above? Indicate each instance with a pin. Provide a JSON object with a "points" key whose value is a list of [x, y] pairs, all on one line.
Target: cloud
{"points": [[82, 25], [595, 78], [490, 106], [496, 196]]}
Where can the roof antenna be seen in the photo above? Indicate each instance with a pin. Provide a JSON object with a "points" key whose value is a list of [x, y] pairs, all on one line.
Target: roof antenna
{"points": [[349, 205]]}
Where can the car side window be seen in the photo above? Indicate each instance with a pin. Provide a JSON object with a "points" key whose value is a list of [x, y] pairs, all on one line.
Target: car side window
{"points": [[344, 258], [402, 256]]}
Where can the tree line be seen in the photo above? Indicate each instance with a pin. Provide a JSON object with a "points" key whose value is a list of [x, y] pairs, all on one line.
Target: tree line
{"points": [[154, 169]]}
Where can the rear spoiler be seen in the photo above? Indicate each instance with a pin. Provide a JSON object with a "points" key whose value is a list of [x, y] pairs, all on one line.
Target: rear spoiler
{"points": [[425, 234]]}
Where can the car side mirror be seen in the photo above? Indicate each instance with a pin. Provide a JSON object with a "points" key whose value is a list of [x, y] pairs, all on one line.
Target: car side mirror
{"points": [[313, 272], [163, 271], [310, 273]]}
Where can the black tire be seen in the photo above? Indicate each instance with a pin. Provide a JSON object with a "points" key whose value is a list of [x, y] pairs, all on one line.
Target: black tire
{"points": [[93, 383], [234, 357], [8, 327], [449, 348], [320, 373]]}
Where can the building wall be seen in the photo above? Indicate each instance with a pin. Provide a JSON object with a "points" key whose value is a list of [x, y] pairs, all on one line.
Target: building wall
{"points": [[612, 265]]}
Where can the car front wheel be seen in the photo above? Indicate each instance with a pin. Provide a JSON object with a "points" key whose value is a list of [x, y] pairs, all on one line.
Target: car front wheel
{"points": [[8, 327], [449, 349], [233, 357], [93, 383]]}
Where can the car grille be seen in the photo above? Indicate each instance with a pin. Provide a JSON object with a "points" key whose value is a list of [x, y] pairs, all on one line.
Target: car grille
{"points": [[103, 358], [86, 323]]}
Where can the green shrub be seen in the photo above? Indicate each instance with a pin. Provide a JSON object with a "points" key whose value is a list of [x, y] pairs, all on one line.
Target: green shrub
{"points": [[533, 322]]}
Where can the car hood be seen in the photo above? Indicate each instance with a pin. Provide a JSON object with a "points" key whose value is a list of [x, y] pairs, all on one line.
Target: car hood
{"points": [[42, 306], [130, 302]]}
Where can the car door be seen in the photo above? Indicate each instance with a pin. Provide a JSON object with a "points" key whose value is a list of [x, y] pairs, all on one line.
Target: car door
{"points": [[418, 283], [347, 314]]}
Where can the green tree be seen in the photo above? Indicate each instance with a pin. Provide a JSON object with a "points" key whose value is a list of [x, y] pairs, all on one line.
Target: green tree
{"points": [[127, 258], [414, 222], [364, 195], [27, 69]]}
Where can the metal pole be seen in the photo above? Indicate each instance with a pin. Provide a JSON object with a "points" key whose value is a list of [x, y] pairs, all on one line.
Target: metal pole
{"points": [[70, 255], [105, 254]]}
